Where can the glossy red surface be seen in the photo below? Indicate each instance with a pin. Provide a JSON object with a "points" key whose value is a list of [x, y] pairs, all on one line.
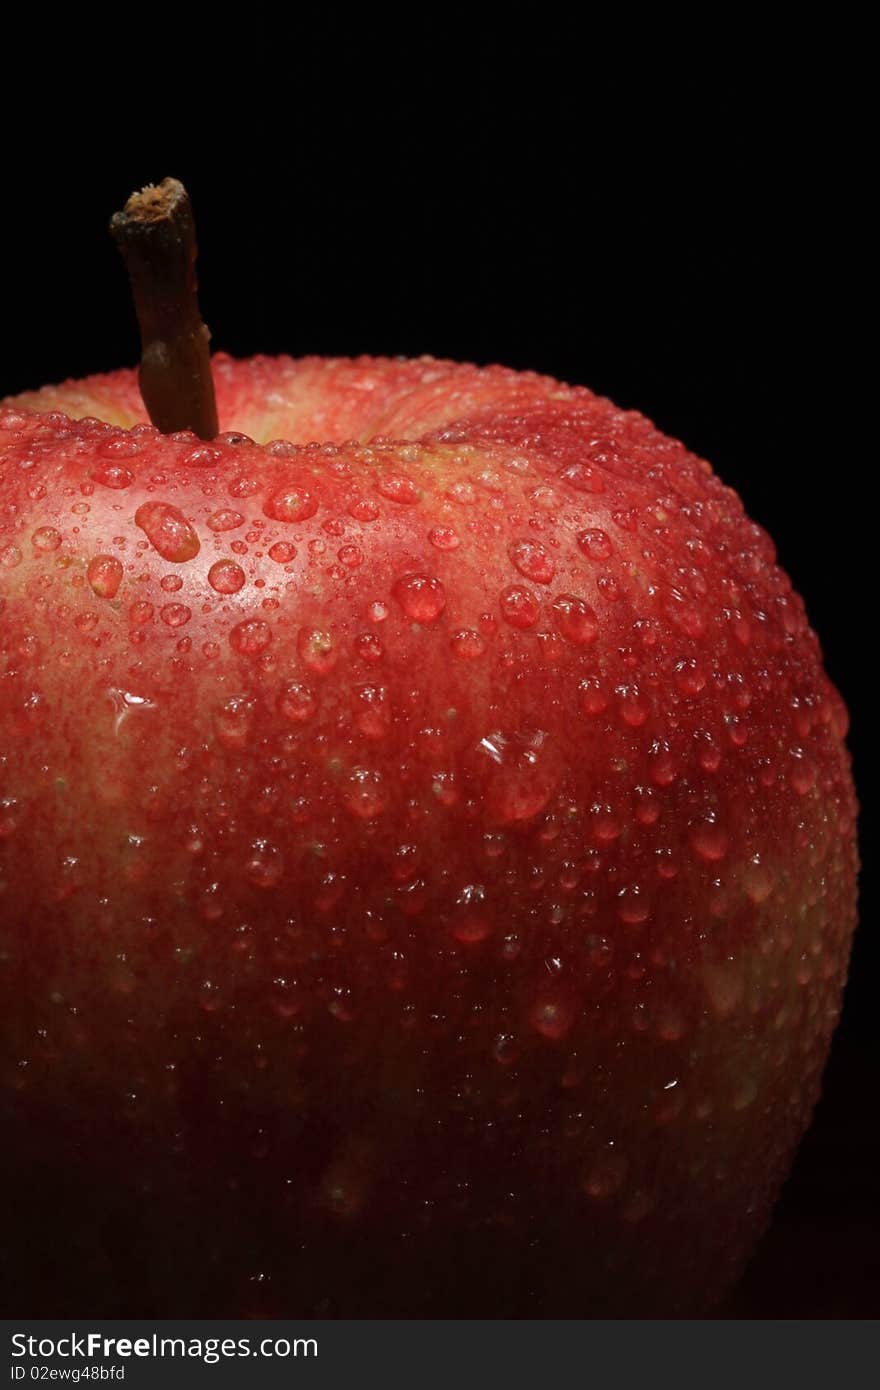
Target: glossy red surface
{"points": [[428, 859]]}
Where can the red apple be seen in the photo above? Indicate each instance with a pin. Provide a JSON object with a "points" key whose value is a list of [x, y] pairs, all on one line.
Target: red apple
{"points": [[428, 857]]}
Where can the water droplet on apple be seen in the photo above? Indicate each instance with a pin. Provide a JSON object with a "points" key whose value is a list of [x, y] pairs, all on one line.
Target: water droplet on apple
{"points": [[709, 754], [444, 538], [224, 520], [46, 538], [471, 921], [226, 577], [519, 773], [104, 575], [10, 556], [397, 487], [633, 908], [351, 556], [250, 637], [366, 795], [744, 1093], [316, 649], [120, 446], [689, 678], [233, 721], [202, 456], [421, 597], [296, 703], [533, 560], [264, 866], [595, 544], [802, 776], [175, 614], [115, 476], [709, 840], [552, 1018], [141, 612], [168, 531], [291, 504], [633, 710], [575, 619], [583, 478], [758, 880], [210, 903], [467, 644], [519, 607], [243, 486], [10, 815], [372, 710], [282, 552], [363, 509], [369, 648], [593, 700], [505, 1049]]}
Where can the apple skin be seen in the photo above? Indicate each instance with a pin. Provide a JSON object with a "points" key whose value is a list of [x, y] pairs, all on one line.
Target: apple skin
{"points": [[427, 863]]}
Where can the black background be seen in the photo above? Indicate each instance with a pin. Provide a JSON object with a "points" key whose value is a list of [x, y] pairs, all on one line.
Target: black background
{"points": [[677, 228]]}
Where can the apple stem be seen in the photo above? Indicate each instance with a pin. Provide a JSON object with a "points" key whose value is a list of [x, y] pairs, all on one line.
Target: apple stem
{"points": [[155, 233]]}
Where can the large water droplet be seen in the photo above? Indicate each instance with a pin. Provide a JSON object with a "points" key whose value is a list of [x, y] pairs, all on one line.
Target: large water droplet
{"points": [[471, 921], [10, 556], [226, 577], [709, 840], [46, 538], [689, 678], [421, 597], [282, 552], [233, 721], [575, 619], [467, 644], [397, 487], [293, 503], [168, 531], [583, 478], [363, 509], [533, 560], [104, 575], [758, 880], [372, 710], [595, 544], [10, 815], [296, 702], [113, 475], [351, 556], [175, 614], [505, 1049], [444, 538], [552, 1018], [202, 456], [225, 520], [317, 649], [366, 795], [264, 865], [519, 607], [141, 612], [250, 637], [519, 772], [593, 699]]}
